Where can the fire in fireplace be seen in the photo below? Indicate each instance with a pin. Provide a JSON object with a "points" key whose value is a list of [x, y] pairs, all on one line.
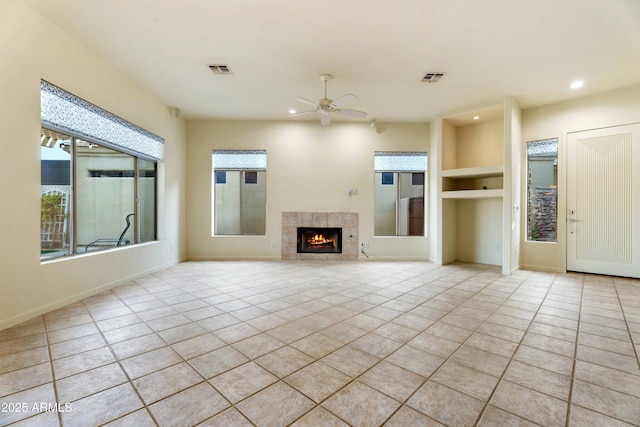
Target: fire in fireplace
{"points": [[319, 240]]}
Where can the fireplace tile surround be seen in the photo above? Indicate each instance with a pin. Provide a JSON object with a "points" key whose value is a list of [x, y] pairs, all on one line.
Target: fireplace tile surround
{"points": [[348, 221]]}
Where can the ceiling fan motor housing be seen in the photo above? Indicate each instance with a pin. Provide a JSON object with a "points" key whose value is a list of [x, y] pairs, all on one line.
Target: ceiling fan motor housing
{"points": [[325, 103]]}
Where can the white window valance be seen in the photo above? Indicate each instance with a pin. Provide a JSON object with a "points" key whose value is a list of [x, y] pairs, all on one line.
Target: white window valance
{"points": [[240, 159], [400, 161], [65, 112]]}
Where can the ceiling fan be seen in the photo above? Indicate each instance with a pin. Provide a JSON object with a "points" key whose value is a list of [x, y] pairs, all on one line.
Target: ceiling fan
{"points": [[325, 106]]}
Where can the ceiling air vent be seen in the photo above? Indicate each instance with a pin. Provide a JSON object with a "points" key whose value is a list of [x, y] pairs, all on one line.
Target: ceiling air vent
{"points": [[432, 77], [220, 69]]}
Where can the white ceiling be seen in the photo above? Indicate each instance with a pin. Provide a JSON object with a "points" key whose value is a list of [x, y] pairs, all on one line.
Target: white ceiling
{"points": [[376, 49]]}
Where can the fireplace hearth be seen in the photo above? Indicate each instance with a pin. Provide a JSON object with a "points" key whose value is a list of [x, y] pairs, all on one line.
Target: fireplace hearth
{"points": [[316, 240]]}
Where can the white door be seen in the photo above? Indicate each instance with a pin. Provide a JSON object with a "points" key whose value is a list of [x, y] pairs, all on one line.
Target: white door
{"points": [[603, 201]]}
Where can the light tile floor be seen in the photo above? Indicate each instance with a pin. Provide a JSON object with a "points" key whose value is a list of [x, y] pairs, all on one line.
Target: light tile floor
{"points": [[331, 344]]}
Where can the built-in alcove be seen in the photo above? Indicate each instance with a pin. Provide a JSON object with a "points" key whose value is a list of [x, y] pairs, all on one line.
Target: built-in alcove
{"points": [[477, 220]]}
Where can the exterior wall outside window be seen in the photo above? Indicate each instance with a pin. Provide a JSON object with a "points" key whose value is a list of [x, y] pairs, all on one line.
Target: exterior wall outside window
{"points": [[101, 213], [542, 190], [399, 194], [239, 186]]}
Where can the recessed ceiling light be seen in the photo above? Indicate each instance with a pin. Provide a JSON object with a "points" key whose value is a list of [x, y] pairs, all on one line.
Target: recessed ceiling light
{"points": [[292, 111], [577, 84], [476, 117]]}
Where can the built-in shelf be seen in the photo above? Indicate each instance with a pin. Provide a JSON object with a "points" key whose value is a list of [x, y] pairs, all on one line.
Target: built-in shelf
{"points": [[475, 172], [473, 194], [472, 183]]}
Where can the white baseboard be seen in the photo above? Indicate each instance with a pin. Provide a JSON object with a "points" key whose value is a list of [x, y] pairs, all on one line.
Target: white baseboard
{"points": [[39, 311]]}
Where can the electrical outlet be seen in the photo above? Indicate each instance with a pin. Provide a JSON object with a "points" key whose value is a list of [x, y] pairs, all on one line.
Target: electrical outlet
{"points": [[273, 243]]}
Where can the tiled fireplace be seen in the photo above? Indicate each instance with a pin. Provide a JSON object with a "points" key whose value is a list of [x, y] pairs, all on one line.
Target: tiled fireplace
{"points": [[314, 236]]}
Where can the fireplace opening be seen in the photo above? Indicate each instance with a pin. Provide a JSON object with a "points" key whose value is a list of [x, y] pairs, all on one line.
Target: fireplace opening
{"points": [[319, 240]]}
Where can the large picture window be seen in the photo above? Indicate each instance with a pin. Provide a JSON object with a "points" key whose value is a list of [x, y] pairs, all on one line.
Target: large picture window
{"points": [[97, 192], [101, 212], [399, 195], [542, 190], [239, 192]]}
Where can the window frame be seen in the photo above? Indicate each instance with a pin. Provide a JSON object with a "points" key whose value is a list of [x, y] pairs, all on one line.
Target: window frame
{"points": [[409, 166], [255, 162], [73, 203], [64, 113], [528, 214]]}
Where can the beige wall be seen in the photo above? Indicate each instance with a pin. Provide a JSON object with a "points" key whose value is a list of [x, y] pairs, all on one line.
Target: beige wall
{"points": [[31, 49], [603, 110], [310, 168], [480, 144], [479, 231]]}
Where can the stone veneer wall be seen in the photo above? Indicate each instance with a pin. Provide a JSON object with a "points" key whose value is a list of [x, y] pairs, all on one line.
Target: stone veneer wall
{"points": [[346, 220], [543, 214]]}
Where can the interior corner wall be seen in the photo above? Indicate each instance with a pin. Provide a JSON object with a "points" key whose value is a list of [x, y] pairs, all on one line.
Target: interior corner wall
{"points": [[32, 48], [434, 186], [607, 109], [310, 168], [478, 236], [515, 208]]}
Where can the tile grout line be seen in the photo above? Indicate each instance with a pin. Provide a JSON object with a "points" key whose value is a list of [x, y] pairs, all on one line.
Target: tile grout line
{"points": [[233, 405], [626, 322], [354, 379], [575, 355], [519, 344], [318, 331], [176, 285], [427, 378], [204, 380], [406, 400], [117, 359], [53, 377], [316, 360], [575, 359]]}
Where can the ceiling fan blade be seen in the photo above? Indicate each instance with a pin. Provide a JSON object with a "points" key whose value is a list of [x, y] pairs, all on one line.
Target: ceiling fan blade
{"points": [[302, 113], [325, 118], [306, 101], [344, 100], [352, 113]]}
